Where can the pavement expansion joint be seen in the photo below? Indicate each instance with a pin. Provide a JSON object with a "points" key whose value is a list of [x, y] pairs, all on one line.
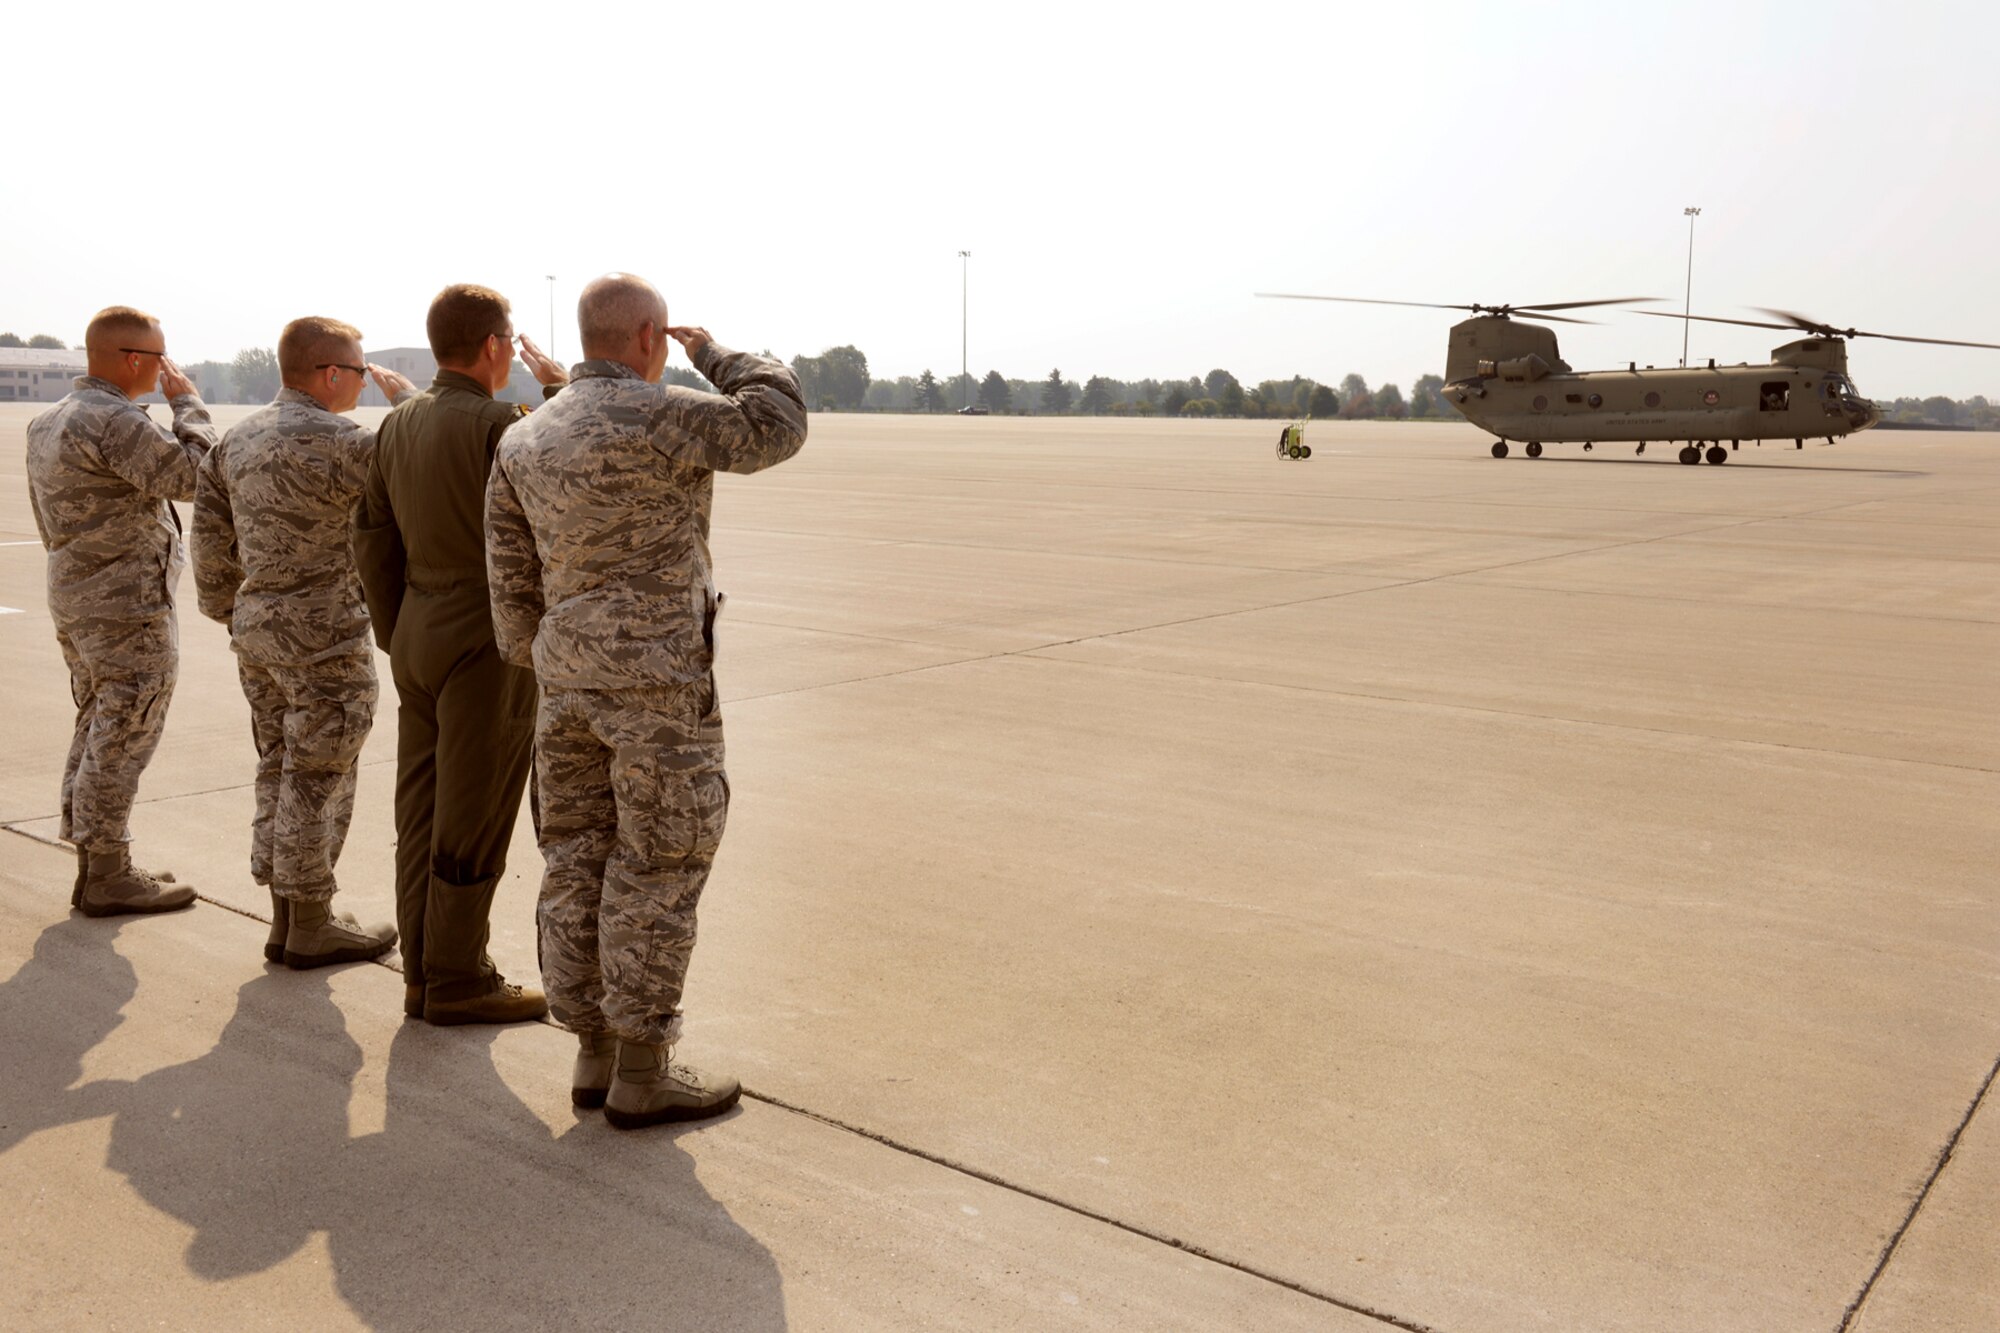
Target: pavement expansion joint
{"points": [[1938, 1165], [1449, 705], [1385, 1318]]}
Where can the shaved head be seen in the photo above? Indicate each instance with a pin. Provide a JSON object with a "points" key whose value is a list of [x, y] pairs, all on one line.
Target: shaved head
{"points": [[611, 311], [115, 326]]}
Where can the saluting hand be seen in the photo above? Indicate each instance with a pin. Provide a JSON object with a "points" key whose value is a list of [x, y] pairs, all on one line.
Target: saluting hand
{"points": [[540, 365], [173, 380], [691, 337], [389, 382]]}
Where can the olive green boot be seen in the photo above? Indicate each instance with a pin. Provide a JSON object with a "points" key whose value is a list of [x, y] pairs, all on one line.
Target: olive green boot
{"points": [[113, 886], [649, 1089], [316, 937], [596, 1054], [82, 873]]}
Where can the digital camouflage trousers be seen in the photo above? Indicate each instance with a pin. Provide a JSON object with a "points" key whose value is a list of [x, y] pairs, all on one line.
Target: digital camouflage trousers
{"points": [[633, 804], [121, 675], [309, 723]]}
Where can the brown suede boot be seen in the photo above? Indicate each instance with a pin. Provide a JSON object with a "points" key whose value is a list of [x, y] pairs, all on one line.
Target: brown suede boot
{"points": [[318, 938], [596, 1053], [413, 999], [505, 1003], [649, 1089], [281, 924], [113, 886]]}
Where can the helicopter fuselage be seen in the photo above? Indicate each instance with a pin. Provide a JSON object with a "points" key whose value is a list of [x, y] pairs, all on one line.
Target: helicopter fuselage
{"points": [[1506, 376]]}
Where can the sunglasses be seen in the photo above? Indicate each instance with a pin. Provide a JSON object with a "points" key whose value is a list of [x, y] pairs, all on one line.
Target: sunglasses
{"points": [[142, 351], [341, 365]]}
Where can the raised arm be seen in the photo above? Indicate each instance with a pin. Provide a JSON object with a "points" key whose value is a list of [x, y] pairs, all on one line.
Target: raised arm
{"points": [[155, 461], [758, 418], [513, 571], [218, 568]]}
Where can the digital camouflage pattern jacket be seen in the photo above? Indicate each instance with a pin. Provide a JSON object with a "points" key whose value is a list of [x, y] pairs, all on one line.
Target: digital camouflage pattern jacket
{"points": [[273, 525], [101, 474], [597, 517]]}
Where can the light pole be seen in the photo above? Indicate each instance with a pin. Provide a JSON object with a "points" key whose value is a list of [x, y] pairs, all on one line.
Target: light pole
{"points": [[964, 361], [552, 317], [1688, 299]]}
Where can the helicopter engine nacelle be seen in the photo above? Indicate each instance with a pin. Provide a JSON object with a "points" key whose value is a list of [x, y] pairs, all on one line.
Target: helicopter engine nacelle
{"points": [[1523, 369], [1490, 347]]}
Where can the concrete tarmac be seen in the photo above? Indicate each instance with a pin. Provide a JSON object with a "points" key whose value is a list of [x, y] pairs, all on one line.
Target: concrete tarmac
{"points": [[1166, 887]]}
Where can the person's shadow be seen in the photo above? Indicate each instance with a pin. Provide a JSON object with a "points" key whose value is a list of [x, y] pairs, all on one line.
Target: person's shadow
{"points": [[54, 1010], [465, 1211]]}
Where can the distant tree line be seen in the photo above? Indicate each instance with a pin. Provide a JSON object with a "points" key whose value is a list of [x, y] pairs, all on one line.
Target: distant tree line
{"points": [[837, 380], [1973, 413]]}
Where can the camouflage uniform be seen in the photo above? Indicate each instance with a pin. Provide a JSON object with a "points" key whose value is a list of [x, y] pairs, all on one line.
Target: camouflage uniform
{"points": [[273, 519], [101, 474], [597, 558]]}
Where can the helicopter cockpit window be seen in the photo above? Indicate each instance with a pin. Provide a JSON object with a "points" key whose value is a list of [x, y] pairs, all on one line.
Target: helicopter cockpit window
{"points": [[1773, 395]]}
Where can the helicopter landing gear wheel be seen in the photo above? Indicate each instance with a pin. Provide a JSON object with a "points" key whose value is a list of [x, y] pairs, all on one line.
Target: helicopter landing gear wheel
{"points": [[1500, 448], [1690, 454], [1798, 444], [1534, 450], [1718, 454], [1586, 446]]}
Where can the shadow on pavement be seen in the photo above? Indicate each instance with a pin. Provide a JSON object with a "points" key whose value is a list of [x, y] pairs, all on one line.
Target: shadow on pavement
{"points": [[465, 1211], [64, 1000]]}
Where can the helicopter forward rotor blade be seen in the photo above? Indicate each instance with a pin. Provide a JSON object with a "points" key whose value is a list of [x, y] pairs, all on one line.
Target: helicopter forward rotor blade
{"points": [[1539, 318], [1827, 330], [1716, 319], [1578, 305], [1358, 300]]}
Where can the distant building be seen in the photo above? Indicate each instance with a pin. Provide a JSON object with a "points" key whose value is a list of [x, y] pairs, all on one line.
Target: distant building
{"points": [[37, 374], [420, 367]]}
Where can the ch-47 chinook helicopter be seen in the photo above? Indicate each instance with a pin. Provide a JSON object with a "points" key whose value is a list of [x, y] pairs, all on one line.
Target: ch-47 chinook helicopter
{"points": [[1506, 376]]}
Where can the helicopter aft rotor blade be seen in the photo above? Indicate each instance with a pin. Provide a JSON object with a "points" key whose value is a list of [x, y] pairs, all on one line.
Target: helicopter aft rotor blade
{"points": [[1828, 331]]}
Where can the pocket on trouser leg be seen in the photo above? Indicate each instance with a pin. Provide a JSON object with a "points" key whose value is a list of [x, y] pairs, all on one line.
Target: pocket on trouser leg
{"points": [[682, 821]]}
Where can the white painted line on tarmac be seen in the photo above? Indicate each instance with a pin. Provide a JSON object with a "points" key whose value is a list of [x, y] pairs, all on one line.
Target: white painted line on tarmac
{"points": [[20, 543], [10, 611]]}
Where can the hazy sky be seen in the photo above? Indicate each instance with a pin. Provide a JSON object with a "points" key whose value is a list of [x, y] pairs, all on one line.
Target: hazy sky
{"points": [[1125, 176]]}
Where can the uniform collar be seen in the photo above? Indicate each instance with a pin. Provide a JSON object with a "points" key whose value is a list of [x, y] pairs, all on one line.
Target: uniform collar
{"points": [[454, 379], [301, 397], [102, 386], [603, 370]]}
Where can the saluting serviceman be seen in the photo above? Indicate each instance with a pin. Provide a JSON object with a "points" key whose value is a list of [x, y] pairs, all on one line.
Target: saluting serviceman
{"points": [[274, 561], [101, 476], [466, 719], [597, 552]]}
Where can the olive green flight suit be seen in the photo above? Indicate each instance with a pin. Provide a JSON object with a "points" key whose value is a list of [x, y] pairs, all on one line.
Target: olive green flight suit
{"points": [[466, 718]]}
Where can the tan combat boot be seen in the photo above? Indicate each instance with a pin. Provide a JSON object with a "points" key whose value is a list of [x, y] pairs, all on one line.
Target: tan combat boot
{"points": [[113, 886], [281, 925], [505, 1003], [596, 1053], [649, 1089], [82, 873], [319, 938]]}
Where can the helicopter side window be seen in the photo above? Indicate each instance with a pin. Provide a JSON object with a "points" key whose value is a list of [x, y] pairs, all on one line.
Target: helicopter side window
{"points": [[1773, 395]]}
